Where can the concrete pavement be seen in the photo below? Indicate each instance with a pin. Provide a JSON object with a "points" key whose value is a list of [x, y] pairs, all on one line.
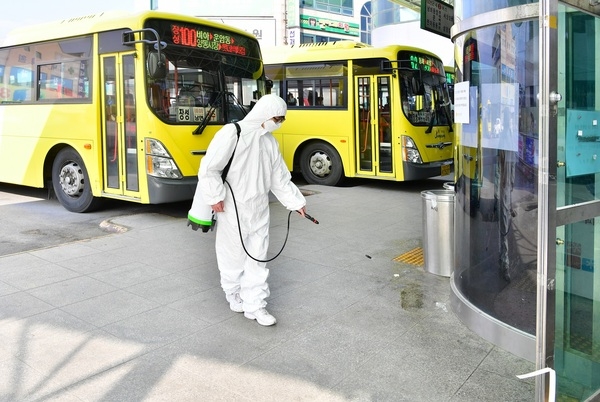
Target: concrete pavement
{"points": [[138, 315]]}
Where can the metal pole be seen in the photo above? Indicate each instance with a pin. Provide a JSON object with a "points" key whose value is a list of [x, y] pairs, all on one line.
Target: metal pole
{"points": [[546, 252]]}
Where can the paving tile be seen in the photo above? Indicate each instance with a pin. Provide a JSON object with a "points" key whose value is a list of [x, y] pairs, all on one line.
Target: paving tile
{"points": [[109, 307], [156, 327], [21, 305], [6, 289], [37, 275], [71, 291], [129, 274], [16, 335], [170, 288], [65, 252]]}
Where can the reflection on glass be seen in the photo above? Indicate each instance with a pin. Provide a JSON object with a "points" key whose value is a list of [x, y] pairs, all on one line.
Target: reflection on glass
{"points": [[466, 9], [496, 166]]}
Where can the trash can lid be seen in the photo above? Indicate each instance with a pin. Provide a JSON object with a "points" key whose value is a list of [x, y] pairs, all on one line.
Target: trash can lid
{"points": [[448, 185], [438, 195]]}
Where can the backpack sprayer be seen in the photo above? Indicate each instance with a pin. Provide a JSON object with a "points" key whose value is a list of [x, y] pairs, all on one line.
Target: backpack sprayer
{"points": [[202, 216]]}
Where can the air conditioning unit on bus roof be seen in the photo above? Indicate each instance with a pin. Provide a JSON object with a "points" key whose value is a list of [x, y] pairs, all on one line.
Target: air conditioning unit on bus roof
{"points": [[339, 44]]}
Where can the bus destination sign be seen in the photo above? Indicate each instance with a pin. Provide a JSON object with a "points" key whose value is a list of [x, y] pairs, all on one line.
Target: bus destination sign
{"points": [[207, 38], [424, 63]]}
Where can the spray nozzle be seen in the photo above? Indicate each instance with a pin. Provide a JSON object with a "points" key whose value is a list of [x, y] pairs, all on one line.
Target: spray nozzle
{"points": [[310, 218]]}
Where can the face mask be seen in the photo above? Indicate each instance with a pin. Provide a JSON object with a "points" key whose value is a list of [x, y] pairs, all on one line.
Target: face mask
{"points": [[270, 125]]}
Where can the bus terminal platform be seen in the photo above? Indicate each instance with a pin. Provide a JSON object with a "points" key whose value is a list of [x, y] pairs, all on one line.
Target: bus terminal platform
{"points": [[137, 314]]}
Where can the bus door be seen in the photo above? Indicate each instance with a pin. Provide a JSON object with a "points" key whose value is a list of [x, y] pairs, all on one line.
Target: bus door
{"points": [[119, 148], [373, 119]]}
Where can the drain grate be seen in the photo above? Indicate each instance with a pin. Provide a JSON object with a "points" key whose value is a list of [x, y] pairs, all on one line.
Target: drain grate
{"points": [[414, 257]]}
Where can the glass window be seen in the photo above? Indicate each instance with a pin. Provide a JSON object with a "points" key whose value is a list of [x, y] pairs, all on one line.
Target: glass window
{"points": [[344, 7], [68, 80], [366, 23], [316, 93], [59, 69], [310, 85]]}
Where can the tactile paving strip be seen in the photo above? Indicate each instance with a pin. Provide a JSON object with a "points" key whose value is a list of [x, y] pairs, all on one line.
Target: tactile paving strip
{"points": [[414, 257]]}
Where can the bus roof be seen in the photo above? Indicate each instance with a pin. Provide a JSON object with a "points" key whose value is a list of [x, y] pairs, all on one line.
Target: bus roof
{"points": [[339, 50], [105, 21]]}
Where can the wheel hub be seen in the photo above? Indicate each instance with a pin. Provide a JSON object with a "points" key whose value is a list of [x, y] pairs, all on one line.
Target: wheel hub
{"points": [[320, 164], [72, 179]]}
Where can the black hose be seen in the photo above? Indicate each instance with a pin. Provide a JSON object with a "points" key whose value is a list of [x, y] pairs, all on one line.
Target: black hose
{"points": [[237, 216]]}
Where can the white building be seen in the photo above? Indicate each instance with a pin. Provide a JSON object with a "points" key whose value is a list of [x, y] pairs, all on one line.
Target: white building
{"points": [[291, 22]]}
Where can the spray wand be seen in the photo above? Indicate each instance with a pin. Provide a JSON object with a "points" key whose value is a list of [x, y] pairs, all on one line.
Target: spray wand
{"points": [[310, 218]]}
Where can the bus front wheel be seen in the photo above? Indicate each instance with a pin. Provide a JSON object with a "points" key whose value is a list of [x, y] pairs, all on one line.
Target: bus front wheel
{"points": [[321, 164], [71, 182]]}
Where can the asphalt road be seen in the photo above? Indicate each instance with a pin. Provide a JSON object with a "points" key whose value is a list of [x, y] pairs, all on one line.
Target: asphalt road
{"points": [[30, 220]]}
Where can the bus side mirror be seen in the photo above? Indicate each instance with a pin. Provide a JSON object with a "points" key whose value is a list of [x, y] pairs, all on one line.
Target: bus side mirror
{"points": [[156, 66]]}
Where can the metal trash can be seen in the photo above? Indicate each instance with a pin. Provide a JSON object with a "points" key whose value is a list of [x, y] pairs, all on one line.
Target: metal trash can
{"points": [[438, 231]]}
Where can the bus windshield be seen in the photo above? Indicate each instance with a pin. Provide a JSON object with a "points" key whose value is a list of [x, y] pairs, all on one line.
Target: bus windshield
{"points": [[424, 94], [219, 82]]}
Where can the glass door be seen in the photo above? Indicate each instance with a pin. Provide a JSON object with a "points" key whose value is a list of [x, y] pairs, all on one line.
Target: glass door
{"points": [[374, 141], [120, 154], [573, 287]]}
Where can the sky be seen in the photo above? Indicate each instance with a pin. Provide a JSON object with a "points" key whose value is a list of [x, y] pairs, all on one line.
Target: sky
{"points": [[15, 13]]}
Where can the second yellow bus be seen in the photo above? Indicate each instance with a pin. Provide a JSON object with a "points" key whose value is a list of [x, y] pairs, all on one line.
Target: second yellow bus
{"points": [[361, 111]]}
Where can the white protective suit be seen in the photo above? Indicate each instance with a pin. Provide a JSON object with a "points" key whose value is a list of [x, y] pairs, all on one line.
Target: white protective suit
{"points": [[256, 169]]}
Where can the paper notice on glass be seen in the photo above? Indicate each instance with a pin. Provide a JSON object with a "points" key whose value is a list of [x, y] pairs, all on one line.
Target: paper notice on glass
{"points": [[461, 102]]}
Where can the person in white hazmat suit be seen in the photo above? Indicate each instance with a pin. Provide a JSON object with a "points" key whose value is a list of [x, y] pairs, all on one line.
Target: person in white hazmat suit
{"points": [[256, 169]]}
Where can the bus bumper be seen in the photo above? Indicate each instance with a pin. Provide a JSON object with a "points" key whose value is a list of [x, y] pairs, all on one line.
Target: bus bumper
{"points": [[413, 171], [161, 190]]}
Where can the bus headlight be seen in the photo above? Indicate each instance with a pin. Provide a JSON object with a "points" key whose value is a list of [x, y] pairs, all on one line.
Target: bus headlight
{"points": [[159, 162], [410, 153]]}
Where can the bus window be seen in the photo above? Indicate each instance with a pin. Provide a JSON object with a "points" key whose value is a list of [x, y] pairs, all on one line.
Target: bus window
{"points": [[63, 80], [317, 93]]}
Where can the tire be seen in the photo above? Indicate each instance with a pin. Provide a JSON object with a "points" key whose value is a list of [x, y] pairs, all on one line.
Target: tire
{"points": [[71, 182], [321, 164]]}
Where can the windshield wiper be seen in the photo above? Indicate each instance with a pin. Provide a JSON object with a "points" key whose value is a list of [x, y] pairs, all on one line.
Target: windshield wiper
{"points": [[208, 115]]}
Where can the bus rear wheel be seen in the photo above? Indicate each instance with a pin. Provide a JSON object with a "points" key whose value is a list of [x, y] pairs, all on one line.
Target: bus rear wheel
{"points": [[71, 182], [321, 164]]}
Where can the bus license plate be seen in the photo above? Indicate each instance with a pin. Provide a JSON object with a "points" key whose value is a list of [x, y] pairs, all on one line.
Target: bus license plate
{"points": [[445, 170]]}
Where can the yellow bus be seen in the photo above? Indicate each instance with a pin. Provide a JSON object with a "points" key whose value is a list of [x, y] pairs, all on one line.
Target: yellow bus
{"points": [[119, 105], [361, 111]]}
